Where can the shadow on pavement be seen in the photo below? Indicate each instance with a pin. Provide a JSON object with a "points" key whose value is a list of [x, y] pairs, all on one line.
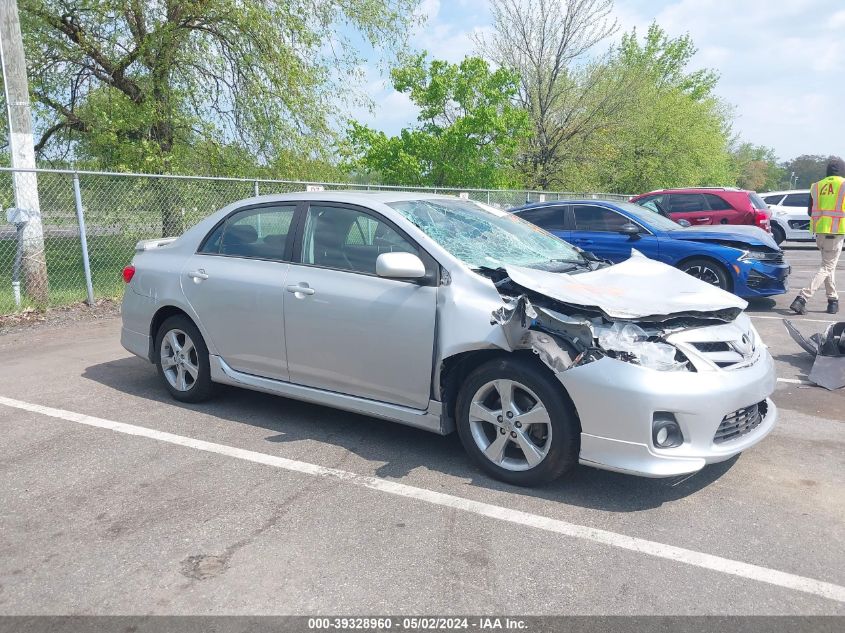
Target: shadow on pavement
{"points": [[400, 449]]}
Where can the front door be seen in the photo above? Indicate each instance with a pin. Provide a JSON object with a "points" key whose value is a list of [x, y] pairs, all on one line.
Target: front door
{"points": [[236, 286], [597, 230], [348, 330]]}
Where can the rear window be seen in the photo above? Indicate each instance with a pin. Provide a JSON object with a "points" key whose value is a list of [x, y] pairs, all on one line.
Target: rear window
{"points": [[797, 200], [757, 202]]}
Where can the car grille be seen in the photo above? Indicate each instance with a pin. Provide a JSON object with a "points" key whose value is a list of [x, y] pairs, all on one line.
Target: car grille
{"points": [[720, 352], [740, 422]]}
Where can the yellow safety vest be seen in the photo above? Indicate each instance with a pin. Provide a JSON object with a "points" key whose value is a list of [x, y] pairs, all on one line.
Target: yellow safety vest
{"points": [[828, 211]]}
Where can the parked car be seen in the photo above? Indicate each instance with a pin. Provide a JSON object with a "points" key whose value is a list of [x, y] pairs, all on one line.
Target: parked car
{"points": [[744, 260], [708, 206], [789, 214], [442, 314]]}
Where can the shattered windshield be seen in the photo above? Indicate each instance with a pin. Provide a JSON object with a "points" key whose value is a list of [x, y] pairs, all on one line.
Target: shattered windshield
{"points": [[484, 237]]}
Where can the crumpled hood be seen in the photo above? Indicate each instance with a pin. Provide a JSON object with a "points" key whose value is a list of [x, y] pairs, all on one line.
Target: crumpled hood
{"points": [[635, 289], [749, 235]]}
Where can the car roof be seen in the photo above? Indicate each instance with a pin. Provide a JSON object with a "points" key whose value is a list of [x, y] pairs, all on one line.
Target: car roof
{"points": [[696, 190], [783, 193], [551, 203], [352, 196]]}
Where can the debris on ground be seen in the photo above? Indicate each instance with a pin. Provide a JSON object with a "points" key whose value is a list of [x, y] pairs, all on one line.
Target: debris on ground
{"points": [[35, 317], [829, 351]]}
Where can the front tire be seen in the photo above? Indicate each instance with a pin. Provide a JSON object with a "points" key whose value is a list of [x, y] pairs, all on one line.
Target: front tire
{"points": [[516, 423], [181, 359], [707, 271]]}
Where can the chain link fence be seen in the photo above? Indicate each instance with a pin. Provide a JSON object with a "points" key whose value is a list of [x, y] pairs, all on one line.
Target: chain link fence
{"points": [[91, 221]]}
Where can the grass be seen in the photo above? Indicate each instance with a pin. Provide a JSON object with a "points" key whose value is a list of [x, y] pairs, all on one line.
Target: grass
{"points": [[108, 255]]}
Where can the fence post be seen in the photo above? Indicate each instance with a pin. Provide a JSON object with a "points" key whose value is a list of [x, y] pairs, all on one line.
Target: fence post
{"points": [[83, 239], [255, 189]]}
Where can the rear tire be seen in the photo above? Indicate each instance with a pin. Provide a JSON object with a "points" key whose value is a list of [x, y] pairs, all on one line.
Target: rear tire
{"points": [[538, 443], [707, 271], [181, 359]]}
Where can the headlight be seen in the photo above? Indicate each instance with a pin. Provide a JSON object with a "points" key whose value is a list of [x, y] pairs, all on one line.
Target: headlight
{"points": [[629, 342], [758, 256]]}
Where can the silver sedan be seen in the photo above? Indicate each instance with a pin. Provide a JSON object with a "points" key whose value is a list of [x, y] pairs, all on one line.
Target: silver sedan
{"points": [[446, 314]]}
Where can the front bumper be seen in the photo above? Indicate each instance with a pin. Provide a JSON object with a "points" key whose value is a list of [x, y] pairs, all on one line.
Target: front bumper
{"points": [[616, 402], [762, 279]]}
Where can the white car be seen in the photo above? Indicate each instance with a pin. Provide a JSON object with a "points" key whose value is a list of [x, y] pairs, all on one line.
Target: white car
{"points": [[789, 214]]}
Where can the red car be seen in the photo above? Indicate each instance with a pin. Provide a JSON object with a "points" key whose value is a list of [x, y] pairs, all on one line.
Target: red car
{"points": [[708, 205]]}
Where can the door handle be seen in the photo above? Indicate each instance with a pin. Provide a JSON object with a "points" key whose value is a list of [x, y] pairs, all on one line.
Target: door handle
{"points": [[198, 275], [301, 290]]}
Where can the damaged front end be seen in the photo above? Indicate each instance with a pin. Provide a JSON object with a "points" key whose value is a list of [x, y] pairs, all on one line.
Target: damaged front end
{"points": [[563, 341], [571, 320]]}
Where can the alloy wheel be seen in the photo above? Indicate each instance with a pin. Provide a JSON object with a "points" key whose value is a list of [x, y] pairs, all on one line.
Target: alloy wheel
{"points": [[705, 274], [510, 425], [179, 361]]}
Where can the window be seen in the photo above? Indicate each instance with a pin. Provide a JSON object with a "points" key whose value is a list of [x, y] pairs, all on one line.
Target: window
{"points": [[797, 200], [346, 239], [590, 218], [716, 203], [485, 237], [549, 218], [773, 199], [687, 203], [757, 202], [260, 233]]}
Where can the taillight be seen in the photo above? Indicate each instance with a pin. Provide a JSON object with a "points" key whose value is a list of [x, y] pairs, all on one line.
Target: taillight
{"points": [[761, 219], [128, 273]]}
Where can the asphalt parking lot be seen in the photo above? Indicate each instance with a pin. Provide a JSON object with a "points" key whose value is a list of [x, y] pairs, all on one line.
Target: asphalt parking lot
{"points": [[115, 499]]}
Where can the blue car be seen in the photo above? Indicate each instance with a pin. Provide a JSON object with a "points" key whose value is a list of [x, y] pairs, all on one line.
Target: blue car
{"points": [[744, 260]]}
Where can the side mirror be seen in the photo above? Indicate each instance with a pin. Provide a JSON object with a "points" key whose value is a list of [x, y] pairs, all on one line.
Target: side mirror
{"points": [[400, 266], [629, 229]]}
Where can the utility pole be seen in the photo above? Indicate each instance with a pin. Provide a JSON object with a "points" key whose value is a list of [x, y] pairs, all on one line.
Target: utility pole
{"points": [[22, 150]]}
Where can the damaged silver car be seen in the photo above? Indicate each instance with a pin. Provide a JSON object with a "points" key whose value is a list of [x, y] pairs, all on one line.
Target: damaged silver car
{"points": [[445, 314]]}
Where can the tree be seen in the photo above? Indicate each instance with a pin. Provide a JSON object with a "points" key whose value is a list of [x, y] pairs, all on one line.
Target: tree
{"points": [[567, 96], [806, 169], [136, 85], [467, 134], [674, 130], [756, 167]]}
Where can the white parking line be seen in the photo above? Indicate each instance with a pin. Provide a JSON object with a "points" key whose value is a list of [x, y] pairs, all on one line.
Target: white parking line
{"points": [[613, 539], [795, 381]]}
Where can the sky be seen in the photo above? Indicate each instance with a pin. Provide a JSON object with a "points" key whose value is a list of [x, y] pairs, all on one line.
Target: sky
{"points": [[781, 64]]}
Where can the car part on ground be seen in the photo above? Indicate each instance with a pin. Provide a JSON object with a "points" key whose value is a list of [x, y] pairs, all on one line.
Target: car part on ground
{"points": [[285, 294], [828, 348]]}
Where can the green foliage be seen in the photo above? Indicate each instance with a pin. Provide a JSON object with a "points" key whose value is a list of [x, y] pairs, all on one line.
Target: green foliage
{"points": [[197, 84], [467, 134], [672, 130], [756, 167], [807, 169]]}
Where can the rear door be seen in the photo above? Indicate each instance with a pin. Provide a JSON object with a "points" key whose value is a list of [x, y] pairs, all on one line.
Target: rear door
{"points": [[551, 218], [721, 211], [691, 207], [348, 330], [597, 230], [236, 286]]}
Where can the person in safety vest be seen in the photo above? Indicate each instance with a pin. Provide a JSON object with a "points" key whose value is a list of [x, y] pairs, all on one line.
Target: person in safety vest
{"points": [[827, 221]]}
